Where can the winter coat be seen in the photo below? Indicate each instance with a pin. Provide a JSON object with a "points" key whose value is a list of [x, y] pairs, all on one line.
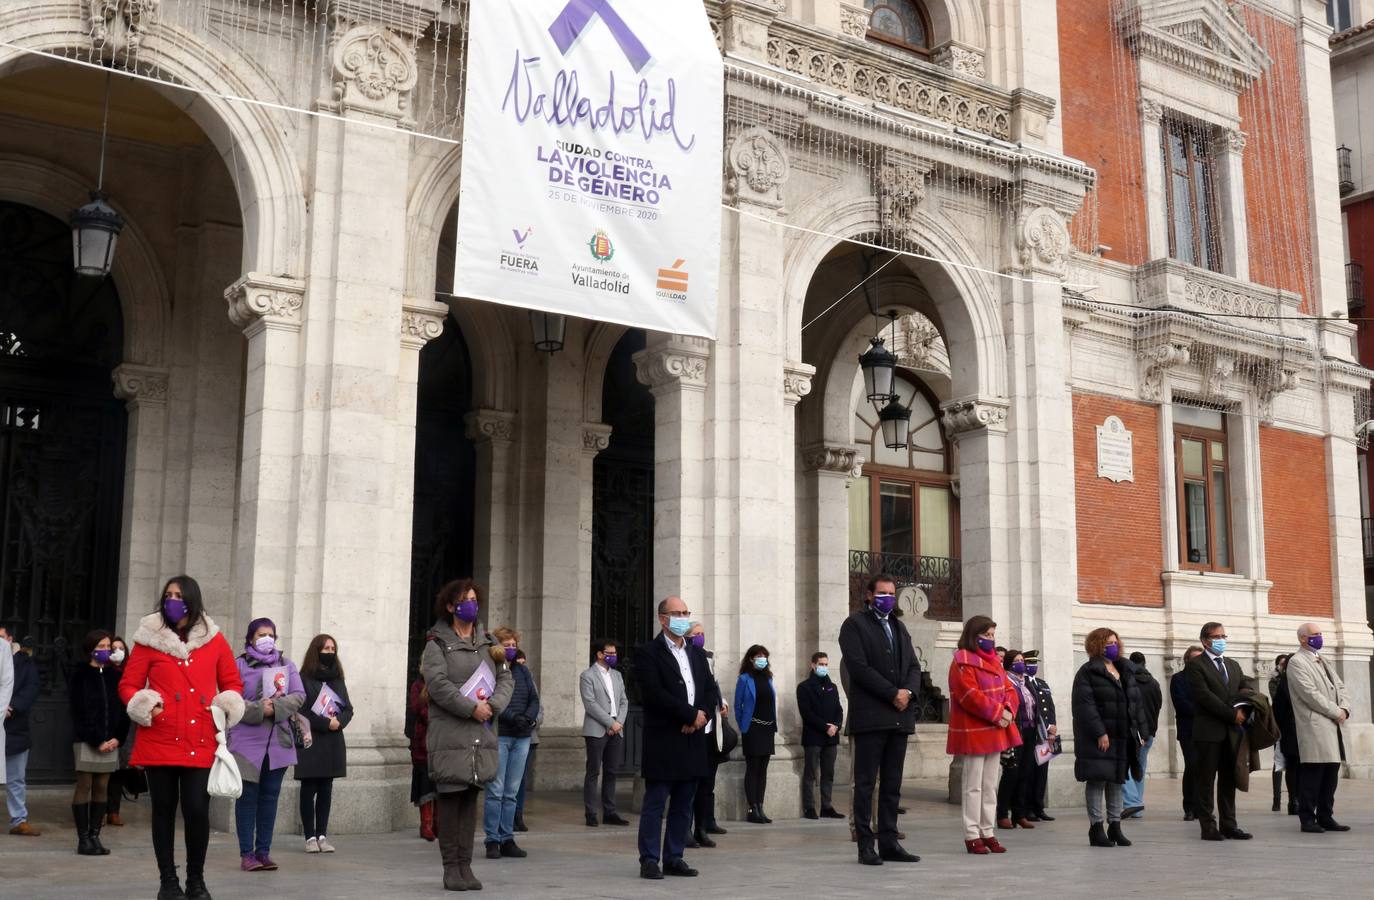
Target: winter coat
{"points": [[979, 690], [518, 719], [327, 755], [1318, 697], [818, 702], [97, 713], [460, 750], [1260, 733], [6, 691], [185, 678], [668, 754], [16, 739], [1184, 708], [1106, 705], [746, 700], [1283, 718], [257, 738], [417, 721], [1151, 697], [1044, 707], [875, 672]]}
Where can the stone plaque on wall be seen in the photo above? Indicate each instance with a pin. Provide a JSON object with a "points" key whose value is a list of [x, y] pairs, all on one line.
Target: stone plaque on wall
{"points": [[1115, 456]]}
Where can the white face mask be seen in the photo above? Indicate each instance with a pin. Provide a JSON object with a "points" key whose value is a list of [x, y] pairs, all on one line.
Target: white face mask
{"points": [[117, 656]]}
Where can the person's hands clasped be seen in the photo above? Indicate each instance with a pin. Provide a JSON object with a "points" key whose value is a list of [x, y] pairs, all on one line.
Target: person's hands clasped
{"points": [[902, 700], [109, 746], [615, 729], [482, 711], [334, 724], [832, 730], [1104, 743], [268, 708], [1240, 717]]}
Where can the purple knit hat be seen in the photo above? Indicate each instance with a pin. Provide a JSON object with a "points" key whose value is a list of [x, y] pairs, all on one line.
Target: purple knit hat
{"points": [[253, 627]]}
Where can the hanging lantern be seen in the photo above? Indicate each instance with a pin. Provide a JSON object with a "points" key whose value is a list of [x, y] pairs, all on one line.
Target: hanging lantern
{"points": [[95, 231], [548, 331], [879, 367], [895, 420]]}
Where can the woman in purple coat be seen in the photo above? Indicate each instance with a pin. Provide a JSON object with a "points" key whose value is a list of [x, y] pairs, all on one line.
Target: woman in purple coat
{"points": [[263, 744]]}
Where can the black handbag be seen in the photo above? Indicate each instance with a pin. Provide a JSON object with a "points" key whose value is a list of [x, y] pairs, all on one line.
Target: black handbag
{"points": [[727, 742]]}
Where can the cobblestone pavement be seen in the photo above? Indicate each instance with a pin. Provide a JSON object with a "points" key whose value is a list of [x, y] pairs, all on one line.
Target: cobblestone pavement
{"points": [[787, 859]]}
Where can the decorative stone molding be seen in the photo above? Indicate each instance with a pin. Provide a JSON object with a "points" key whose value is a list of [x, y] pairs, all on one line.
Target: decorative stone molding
{"points": [[275, 302], [854, 20], [962, 60], [421, 323], [918, 344], [1229, 140], [1152, 111], [1043, 240], [490, 426], [118, 26], [1205, 39], [140, 385], [596, 437], [1168, 283], [796, 382], [758, 168], [1215, 372], [841, 460], [900, 183], [973, 414], [1270, 381], [678, 362], [1155, 362], [374, 71]]}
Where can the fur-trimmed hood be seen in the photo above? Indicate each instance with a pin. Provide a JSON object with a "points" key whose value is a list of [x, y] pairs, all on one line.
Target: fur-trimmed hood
{"points": [[153, 632]]}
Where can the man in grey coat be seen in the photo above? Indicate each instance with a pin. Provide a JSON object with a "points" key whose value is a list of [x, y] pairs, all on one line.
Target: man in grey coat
{"points": [[603, 728], [1320, 707]]}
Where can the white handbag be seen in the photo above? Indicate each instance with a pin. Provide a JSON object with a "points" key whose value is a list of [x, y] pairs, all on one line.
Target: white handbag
{"points": [[225, 780]]}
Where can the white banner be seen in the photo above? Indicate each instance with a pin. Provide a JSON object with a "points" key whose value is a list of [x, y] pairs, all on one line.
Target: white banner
{"points": [[592, 161]]}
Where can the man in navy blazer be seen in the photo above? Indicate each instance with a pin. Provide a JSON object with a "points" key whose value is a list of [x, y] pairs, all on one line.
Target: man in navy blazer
{"points": [[679, 697]]}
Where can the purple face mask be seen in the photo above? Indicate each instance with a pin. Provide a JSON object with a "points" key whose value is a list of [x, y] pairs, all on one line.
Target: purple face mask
{"points": [[1315, 642], [466, 611], [510, 653], [987, 645], [611, 660], [698, 641], [174, 609], [101, 657], [884, 603], [1112, 652], [1019, 668]]}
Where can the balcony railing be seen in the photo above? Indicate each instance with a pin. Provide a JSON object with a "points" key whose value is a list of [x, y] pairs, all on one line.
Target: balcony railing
{"points": [[1346, 171], [1354, 285], [937, 576], [1368, 534]]}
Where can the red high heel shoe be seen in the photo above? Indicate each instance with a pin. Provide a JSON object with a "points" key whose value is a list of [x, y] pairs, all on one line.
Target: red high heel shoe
{"points": [[976, 846]]}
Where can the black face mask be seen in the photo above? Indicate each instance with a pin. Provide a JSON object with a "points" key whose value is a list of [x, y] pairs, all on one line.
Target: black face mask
{"points": [[327, 660]]}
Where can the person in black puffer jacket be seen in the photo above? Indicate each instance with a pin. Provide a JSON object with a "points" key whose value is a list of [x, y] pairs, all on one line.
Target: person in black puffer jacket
{"points": [[516, 723], [100, 725], [1109, 727], [1288, 737], [1152, 698]]}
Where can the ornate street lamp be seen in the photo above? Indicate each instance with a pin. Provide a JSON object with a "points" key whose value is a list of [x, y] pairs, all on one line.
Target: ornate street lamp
{"points": [[879, 367], [96, 226], [895, 420], [548, 331]]}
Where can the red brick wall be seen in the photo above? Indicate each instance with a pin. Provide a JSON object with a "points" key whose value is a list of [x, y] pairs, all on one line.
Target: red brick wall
{"points": [[1120, 542], [1101, 121], [1297, 531], [1277, 181], [1359, 221]]}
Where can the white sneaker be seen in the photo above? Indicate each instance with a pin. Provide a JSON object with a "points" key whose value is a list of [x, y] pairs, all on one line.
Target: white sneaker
{"points": [[325, 846], [312, 845]]}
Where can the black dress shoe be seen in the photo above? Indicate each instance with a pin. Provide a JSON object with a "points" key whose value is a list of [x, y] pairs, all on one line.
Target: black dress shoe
{"points": [[493, 849], [691, 842], [591, 821], [703, 841], [896, 853], [829, 812], [1292, 807], [1130, 811], [1312, 828], [649, 869], [869, 857], [713, 828], [614, 819], [901, 810], [810, 814], [1189, 817], [679, 868], [520, 827], [1235, 834], [1210, 833], [1333, 825], [1044, 816]]}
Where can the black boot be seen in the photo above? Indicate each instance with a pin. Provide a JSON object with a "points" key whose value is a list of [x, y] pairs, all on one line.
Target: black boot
{"points": [[1114, 834], [699, 835], [755, 815], [170, 889], [97, 822], [1278, 790], [81, 815], [520, 823], [1097, 836], [196, 889], [763, 815]]}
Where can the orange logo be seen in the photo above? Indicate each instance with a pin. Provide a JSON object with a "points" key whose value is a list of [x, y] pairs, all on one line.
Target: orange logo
{"points": [[674, 279]]}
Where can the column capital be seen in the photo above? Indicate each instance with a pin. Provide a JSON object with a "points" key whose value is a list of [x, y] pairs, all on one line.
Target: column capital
{"points": [[973, 414], [490, 426], [796, 382], [271, 301], [837, 460], [374, 67], [140, 385], [677, 362], [1042, 239], [596, 436], [421, 322], [758, 168]]}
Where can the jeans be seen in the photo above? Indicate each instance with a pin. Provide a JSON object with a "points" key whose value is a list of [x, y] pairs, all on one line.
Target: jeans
{"points": [[256, 810], [316, 797], [525, 781], [1094, 790], [820, 759], [17, 787], [498, 813], [1133, 791]]}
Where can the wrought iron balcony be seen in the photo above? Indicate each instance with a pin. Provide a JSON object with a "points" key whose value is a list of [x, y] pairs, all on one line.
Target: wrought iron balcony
{"points": [[1346, 170], [938, 577], [1354, 286]]}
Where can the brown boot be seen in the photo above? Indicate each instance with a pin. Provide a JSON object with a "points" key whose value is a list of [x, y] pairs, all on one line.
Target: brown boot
{"points": [[466, 826], [446, 813], [114, 820]]}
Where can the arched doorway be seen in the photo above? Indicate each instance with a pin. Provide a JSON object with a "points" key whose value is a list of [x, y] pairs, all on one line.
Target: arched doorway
{"points": [[62, 441]]}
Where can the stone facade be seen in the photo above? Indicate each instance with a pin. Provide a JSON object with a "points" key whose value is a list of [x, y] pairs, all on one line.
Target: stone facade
{"points": [[278, 307]]}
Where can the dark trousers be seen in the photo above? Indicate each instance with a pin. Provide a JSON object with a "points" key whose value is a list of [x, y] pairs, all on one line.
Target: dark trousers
{"points": [[1317, 791], [1189, 775], [704, 805], [1014, 788], [316, 797], [1216, 771], [822, 760], [1289, 776], [755, 779], [878, 760], [604, 755], [169, 787], [676, 797]]}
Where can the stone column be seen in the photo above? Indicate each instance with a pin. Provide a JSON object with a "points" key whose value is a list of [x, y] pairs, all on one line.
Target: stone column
{"points": [[495, 538], [829, 472], [979, 427], [1155, 179], [144, 390], [421, 322], [1229, 150]]}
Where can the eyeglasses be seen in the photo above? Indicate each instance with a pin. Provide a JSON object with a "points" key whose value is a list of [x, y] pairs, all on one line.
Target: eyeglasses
{"points": [[676, 614]]}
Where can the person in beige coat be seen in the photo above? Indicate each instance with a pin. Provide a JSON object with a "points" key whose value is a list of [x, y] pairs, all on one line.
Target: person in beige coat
{"points": [[1320, 707]]}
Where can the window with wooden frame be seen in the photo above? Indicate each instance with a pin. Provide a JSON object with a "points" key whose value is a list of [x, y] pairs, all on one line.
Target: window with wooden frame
{"points": [[1202, 477], [901, 23], [904, 504], [1190, 192]]}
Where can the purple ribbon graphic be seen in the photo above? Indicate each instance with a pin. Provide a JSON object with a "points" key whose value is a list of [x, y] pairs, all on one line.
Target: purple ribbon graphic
{"points": [[575, 17]]}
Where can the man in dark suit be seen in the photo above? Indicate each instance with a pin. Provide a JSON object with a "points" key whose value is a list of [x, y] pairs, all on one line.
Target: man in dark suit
{"points": [[679, 696], [1049, 722], [1184, 710], [884, 679], [1213, 681]]}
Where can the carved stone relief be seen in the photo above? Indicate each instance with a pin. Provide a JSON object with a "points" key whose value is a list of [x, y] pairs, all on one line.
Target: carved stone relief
{"points": [[118, 26], [758, 167]]}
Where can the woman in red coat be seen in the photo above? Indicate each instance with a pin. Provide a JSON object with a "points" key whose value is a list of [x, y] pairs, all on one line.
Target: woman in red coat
{"points": [[982, 707], [180, 666]]}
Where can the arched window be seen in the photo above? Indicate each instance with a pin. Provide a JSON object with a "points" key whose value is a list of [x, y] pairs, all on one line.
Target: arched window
{"points": [[902, 23]]}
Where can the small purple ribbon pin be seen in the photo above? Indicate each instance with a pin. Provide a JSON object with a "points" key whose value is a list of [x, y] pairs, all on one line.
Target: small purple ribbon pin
{"points": [[575, 17]]}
